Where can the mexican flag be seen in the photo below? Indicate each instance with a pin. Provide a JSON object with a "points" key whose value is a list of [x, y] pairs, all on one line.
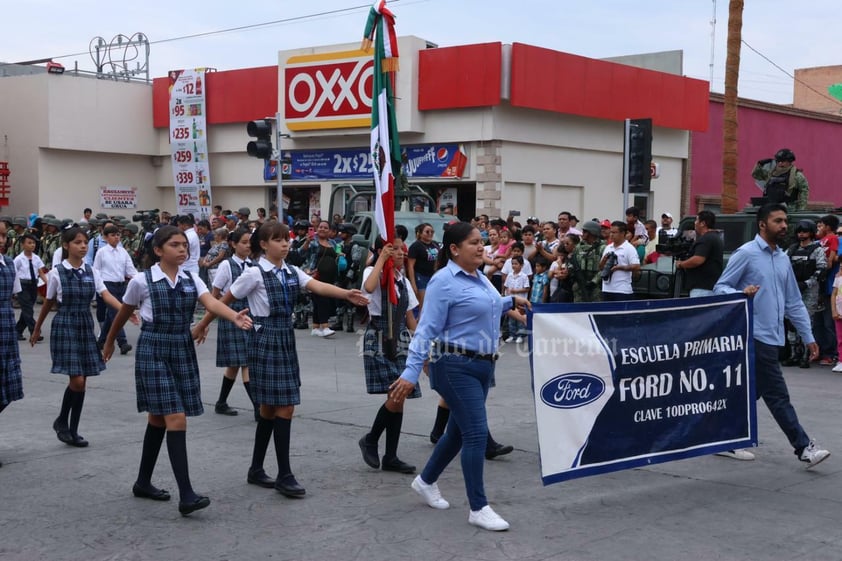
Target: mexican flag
{"points": [[385, 148]]}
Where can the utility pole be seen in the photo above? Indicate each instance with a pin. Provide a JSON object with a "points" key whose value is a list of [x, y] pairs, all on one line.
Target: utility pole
{"points": [[729, 126]]}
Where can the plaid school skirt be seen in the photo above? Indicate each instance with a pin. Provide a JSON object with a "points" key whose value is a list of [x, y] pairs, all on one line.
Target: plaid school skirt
{"points": [[73, 344], [274, 374], [167, 373], [232, 345], [11, 381], [380, 372]]}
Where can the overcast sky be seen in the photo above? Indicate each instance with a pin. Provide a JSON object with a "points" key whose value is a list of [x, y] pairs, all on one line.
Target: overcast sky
{"points": [[791, 34]]}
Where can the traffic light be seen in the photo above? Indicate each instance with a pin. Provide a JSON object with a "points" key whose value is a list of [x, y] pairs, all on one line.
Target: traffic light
{"points": [[261, 147], [638, 154]]}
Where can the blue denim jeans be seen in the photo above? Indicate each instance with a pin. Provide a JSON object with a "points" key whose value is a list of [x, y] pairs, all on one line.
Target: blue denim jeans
{"points": [[770, 385], [463, 383]]}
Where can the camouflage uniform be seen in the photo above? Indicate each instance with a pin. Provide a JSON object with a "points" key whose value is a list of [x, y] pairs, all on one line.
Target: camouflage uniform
{"points": [[797, 188], [49, 244], [588, 282]]}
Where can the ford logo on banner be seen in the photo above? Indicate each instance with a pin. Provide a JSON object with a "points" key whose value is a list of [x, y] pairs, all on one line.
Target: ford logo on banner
{"points": [[572, 390]]}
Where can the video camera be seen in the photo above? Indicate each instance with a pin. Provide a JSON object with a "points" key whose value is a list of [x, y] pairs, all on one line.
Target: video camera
{"points": [[148, 219], [677, 246], [610, 261]]}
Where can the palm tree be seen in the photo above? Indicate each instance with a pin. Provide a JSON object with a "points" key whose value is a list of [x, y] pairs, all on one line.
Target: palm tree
{"points": [[729, 127]]}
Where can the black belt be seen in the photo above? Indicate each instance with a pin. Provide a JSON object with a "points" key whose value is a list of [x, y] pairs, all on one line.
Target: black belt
{"points": [[453, 349]]}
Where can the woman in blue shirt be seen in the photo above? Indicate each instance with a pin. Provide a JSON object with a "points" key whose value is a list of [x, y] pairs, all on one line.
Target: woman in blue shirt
{"points": [[460, 324]]}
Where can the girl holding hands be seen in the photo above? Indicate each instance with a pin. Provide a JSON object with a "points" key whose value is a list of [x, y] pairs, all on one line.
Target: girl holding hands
{"points": [[272, 288], [166, 370]]}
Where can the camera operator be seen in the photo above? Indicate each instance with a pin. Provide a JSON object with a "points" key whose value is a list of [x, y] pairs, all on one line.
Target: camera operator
{"points": [[704, 266], [619, 261]]}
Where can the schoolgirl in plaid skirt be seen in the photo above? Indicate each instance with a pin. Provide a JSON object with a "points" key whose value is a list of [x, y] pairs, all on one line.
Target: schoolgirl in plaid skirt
{"points": [[232, 343], [11, 383], [384, 362], [73, 344], [166, 371], [272, 288]]}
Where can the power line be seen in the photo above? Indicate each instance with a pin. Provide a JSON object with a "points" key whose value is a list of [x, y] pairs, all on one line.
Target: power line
{"points": [[802, 82], [292, 19]]}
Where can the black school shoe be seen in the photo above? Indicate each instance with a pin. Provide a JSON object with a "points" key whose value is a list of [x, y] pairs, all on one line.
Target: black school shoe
{"points": [[398, 465], [498, 450], [198, 503], [258, 477], [125, 348], [77, 441], [289, 487], [150, 492], [221, 408], [369, 451]]}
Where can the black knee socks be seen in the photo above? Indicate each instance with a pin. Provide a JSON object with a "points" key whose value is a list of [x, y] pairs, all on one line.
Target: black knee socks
{"points": [[152, 441], [247, 387], [381, 421], [262, 434], [177, 450], [442, 416], [77, 400], [282, 432], [227, 384], [65, 406], [393, 435]]}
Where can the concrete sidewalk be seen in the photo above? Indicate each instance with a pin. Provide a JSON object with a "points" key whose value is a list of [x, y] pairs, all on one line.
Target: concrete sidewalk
{"points": [[58, 502]]}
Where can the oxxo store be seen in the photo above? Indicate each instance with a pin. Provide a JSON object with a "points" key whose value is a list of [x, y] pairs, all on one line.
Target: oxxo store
{"points": [[486, 128]]}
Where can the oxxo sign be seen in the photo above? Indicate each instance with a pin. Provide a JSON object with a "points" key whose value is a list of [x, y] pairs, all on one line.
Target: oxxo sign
{"points": [[328, 90]]}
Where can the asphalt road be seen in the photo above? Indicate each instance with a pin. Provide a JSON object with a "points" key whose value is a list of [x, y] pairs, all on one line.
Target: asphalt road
{"points": [[58, 502]]}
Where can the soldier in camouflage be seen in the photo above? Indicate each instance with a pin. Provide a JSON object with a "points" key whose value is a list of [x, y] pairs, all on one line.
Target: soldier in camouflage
{"points": [[784, 183], [588, 254], [50, 240]]}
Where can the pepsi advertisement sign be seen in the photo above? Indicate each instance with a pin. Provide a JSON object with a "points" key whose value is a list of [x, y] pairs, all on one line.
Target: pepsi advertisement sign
{"points": [[619, 385], [422, 161]]}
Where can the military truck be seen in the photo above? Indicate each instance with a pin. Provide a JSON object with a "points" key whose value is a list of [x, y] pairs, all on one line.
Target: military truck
{"points": [[659, 280], [358, 202]]}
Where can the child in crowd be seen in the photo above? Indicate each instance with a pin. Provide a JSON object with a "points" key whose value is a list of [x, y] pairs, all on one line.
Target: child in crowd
{"points": [[517, 284], [517, 250], [540, 282], [166, 369], [29, 268]]}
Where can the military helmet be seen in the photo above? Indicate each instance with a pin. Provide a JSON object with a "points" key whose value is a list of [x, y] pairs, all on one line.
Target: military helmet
{"points": [[784, 155], [806, 225], [20, 221], [592, 228]]}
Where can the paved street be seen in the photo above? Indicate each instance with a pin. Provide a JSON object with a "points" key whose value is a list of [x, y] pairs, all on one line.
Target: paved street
{"points": [[58, 502]]}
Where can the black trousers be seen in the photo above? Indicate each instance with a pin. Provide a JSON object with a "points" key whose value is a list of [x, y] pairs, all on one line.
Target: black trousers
{"points": [[26, 299]]}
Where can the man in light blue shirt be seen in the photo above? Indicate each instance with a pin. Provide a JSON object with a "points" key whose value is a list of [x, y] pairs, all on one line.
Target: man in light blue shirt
{"points": [[761, 269]]}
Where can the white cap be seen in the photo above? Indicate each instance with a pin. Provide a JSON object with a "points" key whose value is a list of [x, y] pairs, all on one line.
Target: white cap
{"points": [[668, 215]]}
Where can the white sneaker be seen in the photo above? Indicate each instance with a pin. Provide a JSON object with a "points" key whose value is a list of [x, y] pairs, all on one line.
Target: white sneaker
{"points": [[518, 339], [813, 455], [743, 455], [430, 493], [327, 332], [838, 367], [509, 339], [487, 519], [316, 332]]}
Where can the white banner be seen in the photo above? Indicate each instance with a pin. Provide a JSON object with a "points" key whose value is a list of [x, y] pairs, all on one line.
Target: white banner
{"points": [[629, 384], [189, 142], [118, 197]]}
